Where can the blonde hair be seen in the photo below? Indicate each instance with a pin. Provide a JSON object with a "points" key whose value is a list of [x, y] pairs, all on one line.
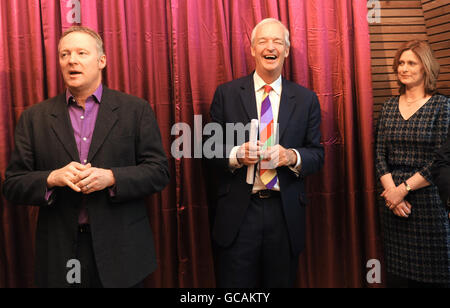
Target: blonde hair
{"points": [[431, 66], [92, 33]]}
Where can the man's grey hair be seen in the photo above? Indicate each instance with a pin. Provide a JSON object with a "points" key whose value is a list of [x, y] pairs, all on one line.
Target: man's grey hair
{"points": [[267, 21]]}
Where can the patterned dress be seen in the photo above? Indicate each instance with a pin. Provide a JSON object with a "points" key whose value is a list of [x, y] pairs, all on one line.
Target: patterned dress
{"points": [[417, 247]]}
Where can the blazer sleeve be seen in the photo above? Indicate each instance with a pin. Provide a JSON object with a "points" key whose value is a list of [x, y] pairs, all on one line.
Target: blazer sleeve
{"points": [[219, 148], [151, 172], [23, 184], [440, 132], [312, 152]]}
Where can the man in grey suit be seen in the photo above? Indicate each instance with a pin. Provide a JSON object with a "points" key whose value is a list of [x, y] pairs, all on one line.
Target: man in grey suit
{"points": [[87, 158]]}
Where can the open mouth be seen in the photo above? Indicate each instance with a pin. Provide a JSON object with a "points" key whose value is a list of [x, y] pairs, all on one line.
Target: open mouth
{"points": [[270, 57], [74, 73]]}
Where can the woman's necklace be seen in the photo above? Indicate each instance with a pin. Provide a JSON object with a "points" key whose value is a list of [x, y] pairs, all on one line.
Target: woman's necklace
{"points": [[409, 103]]}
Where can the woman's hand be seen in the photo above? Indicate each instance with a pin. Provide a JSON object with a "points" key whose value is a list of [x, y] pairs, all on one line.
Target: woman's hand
{"points": [[394, 195], [403, 209]]}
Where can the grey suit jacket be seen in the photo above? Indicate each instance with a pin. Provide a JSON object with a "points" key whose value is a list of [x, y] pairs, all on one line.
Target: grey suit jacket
{"points": [[127, 140]]}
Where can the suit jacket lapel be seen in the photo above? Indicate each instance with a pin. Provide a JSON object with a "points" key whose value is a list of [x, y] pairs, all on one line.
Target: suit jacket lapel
{"points": [[287, 107], [248, 97], [62, 127], [106, 119]]}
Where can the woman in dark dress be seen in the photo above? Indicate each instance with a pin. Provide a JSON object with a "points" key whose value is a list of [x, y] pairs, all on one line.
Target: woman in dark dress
{"points": [[415, 222]]}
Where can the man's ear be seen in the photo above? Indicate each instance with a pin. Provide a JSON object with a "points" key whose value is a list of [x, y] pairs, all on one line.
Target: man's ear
{"points": [[287, 52], [253, 51], [102, 62]]}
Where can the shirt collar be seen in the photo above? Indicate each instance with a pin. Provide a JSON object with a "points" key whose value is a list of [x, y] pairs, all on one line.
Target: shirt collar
{"points": [[259, 83], [97, 95]]}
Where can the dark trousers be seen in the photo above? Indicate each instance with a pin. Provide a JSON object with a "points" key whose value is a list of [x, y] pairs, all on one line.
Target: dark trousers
{"points": [[85, 254], [260, 256], [90, 277]]}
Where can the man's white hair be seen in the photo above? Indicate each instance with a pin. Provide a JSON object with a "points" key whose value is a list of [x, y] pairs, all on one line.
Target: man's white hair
{"points": [[267, 21]]}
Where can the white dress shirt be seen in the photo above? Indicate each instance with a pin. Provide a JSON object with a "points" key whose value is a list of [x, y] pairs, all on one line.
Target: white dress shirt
{"points": [[275, 99]]}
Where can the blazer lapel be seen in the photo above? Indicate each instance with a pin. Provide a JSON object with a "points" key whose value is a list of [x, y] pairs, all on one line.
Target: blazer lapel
{"points": [[248, 97], [60, 123], [106, 119], [287, 107]]}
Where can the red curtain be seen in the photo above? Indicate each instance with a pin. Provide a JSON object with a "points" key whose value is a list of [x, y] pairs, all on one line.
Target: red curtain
{"points": [[175, 53]]}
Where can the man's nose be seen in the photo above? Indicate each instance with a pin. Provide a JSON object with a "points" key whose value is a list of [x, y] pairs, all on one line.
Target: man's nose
{"points": [[73, 58], [270, 45]]}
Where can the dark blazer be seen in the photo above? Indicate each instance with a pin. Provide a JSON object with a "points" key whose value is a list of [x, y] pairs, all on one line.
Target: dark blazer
{"points": [[127, 140], [441, 171], [299, 121]]}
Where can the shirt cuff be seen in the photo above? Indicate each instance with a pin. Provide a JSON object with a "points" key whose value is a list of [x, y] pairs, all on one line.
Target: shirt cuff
{"points": [[112, 191], [234, 163], [298, 166], [48, 194]]}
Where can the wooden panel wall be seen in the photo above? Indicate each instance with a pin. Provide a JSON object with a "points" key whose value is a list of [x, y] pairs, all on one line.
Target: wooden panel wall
{"points": [[437, 22], [404, 20]]}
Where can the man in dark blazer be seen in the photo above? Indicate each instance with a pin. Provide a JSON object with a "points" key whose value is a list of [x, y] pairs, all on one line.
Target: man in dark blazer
{"points": [[259, 231], [441, 171], [87, 158]]}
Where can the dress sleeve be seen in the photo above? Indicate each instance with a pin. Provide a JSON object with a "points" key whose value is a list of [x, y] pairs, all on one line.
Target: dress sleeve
{"points": [[380, 145], [440, 132]]}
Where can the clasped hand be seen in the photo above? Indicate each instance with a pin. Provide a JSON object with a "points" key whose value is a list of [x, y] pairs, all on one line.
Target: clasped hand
{"points": [[394, 198], [275, 156], [81, 178]]}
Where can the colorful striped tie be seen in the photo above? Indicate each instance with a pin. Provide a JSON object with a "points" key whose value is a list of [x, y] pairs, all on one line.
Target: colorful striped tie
{"points": [[267, 137]]}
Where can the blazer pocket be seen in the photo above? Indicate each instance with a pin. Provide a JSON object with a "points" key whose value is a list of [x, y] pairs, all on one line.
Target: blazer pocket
{"points": [[302, 198], [121, 149], [223, 190], [136, 221], [122, 139]]}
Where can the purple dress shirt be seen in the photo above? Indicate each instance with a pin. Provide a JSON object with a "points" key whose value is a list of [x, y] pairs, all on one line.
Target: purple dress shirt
{"points": [[83, 121], [83, 124]]}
